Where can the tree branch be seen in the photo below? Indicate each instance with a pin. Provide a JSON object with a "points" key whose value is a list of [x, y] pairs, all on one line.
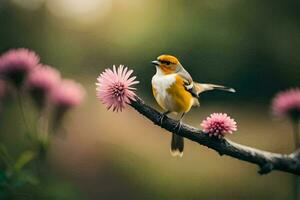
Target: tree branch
{"points": [[267, 161]]}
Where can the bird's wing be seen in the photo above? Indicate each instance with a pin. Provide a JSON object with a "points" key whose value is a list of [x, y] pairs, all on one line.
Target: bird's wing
{"points": [[188, 82], [196, 88]]}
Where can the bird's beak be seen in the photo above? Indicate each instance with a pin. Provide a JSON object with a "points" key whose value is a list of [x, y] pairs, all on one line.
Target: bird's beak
{"points": [[155, 62]]}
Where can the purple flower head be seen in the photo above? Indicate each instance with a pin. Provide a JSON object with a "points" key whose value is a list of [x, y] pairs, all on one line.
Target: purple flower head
{"points": [[68, 94], [41, 82], [114, 87], [287, 104], [16, 64], [219, 124]]}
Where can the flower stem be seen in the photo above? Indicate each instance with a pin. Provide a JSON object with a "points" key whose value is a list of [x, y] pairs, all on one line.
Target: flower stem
{"points": [[20, 103], [32, 134]]}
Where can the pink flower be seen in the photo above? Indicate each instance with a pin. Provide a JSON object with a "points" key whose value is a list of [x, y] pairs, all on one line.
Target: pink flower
{"points": [[287, 103], [65, 96], [68, 94], [114, 87], [16, 64], [41, 82], [219, 124]]}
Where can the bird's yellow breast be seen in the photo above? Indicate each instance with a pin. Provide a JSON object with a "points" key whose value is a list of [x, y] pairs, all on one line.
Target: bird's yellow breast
{"points": [[182, 99], [170, 93]]}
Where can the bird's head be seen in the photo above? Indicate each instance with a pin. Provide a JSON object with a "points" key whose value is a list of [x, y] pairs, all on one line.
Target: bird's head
{"points": [[167, 64]]}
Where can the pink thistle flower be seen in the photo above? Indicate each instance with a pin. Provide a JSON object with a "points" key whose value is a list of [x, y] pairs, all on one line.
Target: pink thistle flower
{"points": [[287, 103], [68, 94], [114, 87], [219, 124], [65, 96], [41, 82], [16, 64]]}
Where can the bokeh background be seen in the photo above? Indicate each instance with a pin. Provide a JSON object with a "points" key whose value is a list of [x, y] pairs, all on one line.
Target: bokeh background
{"points": [[251, 45]]}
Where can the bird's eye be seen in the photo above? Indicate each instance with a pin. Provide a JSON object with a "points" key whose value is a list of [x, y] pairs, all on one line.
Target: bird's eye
{"points": [[164, 62], [167, 62]]}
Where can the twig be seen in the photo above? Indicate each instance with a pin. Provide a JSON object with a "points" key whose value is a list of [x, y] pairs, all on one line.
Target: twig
{"points": [[267, 161]]}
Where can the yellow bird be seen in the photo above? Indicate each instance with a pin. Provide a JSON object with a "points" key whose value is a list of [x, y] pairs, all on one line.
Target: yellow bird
{"points": [[175, 91]]}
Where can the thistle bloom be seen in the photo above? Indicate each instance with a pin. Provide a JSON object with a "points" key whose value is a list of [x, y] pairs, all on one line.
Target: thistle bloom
{"points": [[287, 104], [218, 124], [68, 94], [16, 64], [65, 96], [114, 87], [41, 82]]}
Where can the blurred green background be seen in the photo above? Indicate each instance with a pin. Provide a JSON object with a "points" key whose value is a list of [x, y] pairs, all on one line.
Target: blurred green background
{"points": [[250, 45]]}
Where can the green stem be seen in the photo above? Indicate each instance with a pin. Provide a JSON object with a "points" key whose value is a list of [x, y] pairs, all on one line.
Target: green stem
{"points": [[20, 103], [5, 156]]}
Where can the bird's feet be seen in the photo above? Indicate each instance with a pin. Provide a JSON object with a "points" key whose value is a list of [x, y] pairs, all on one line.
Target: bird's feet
{"points": [[178, 126], [162, 116]]}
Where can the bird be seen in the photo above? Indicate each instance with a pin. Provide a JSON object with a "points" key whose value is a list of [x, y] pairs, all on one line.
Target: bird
{"points": [[175, 92]]}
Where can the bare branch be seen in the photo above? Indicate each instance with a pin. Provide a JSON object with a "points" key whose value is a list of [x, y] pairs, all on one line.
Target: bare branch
{"points": [[267, 161]]}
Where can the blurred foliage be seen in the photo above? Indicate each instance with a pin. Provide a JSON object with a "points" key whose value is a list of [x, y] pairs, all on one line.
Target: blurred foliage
{"points": [[13, 176], [24, 171]]}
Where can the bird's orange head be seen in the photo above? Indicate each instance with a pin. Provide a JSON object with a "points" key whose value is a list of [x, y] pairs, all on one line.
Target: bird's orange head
{"points": [[167, 64]]}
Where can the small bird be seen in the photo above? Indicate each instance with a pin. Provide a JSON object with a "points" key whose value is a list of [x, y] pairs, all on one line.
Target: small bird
{"points": [[176, 92]]}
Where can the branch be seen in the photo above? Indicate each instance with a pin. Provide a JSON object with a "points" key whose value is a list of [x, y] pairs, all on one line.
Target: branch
{"points": [[267, 161]]}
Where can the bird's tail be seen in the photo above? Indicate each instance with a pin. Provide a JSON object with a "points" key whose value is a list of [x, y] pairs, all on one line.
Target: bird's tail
{"points": [[202, 87], [177, 145]]}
